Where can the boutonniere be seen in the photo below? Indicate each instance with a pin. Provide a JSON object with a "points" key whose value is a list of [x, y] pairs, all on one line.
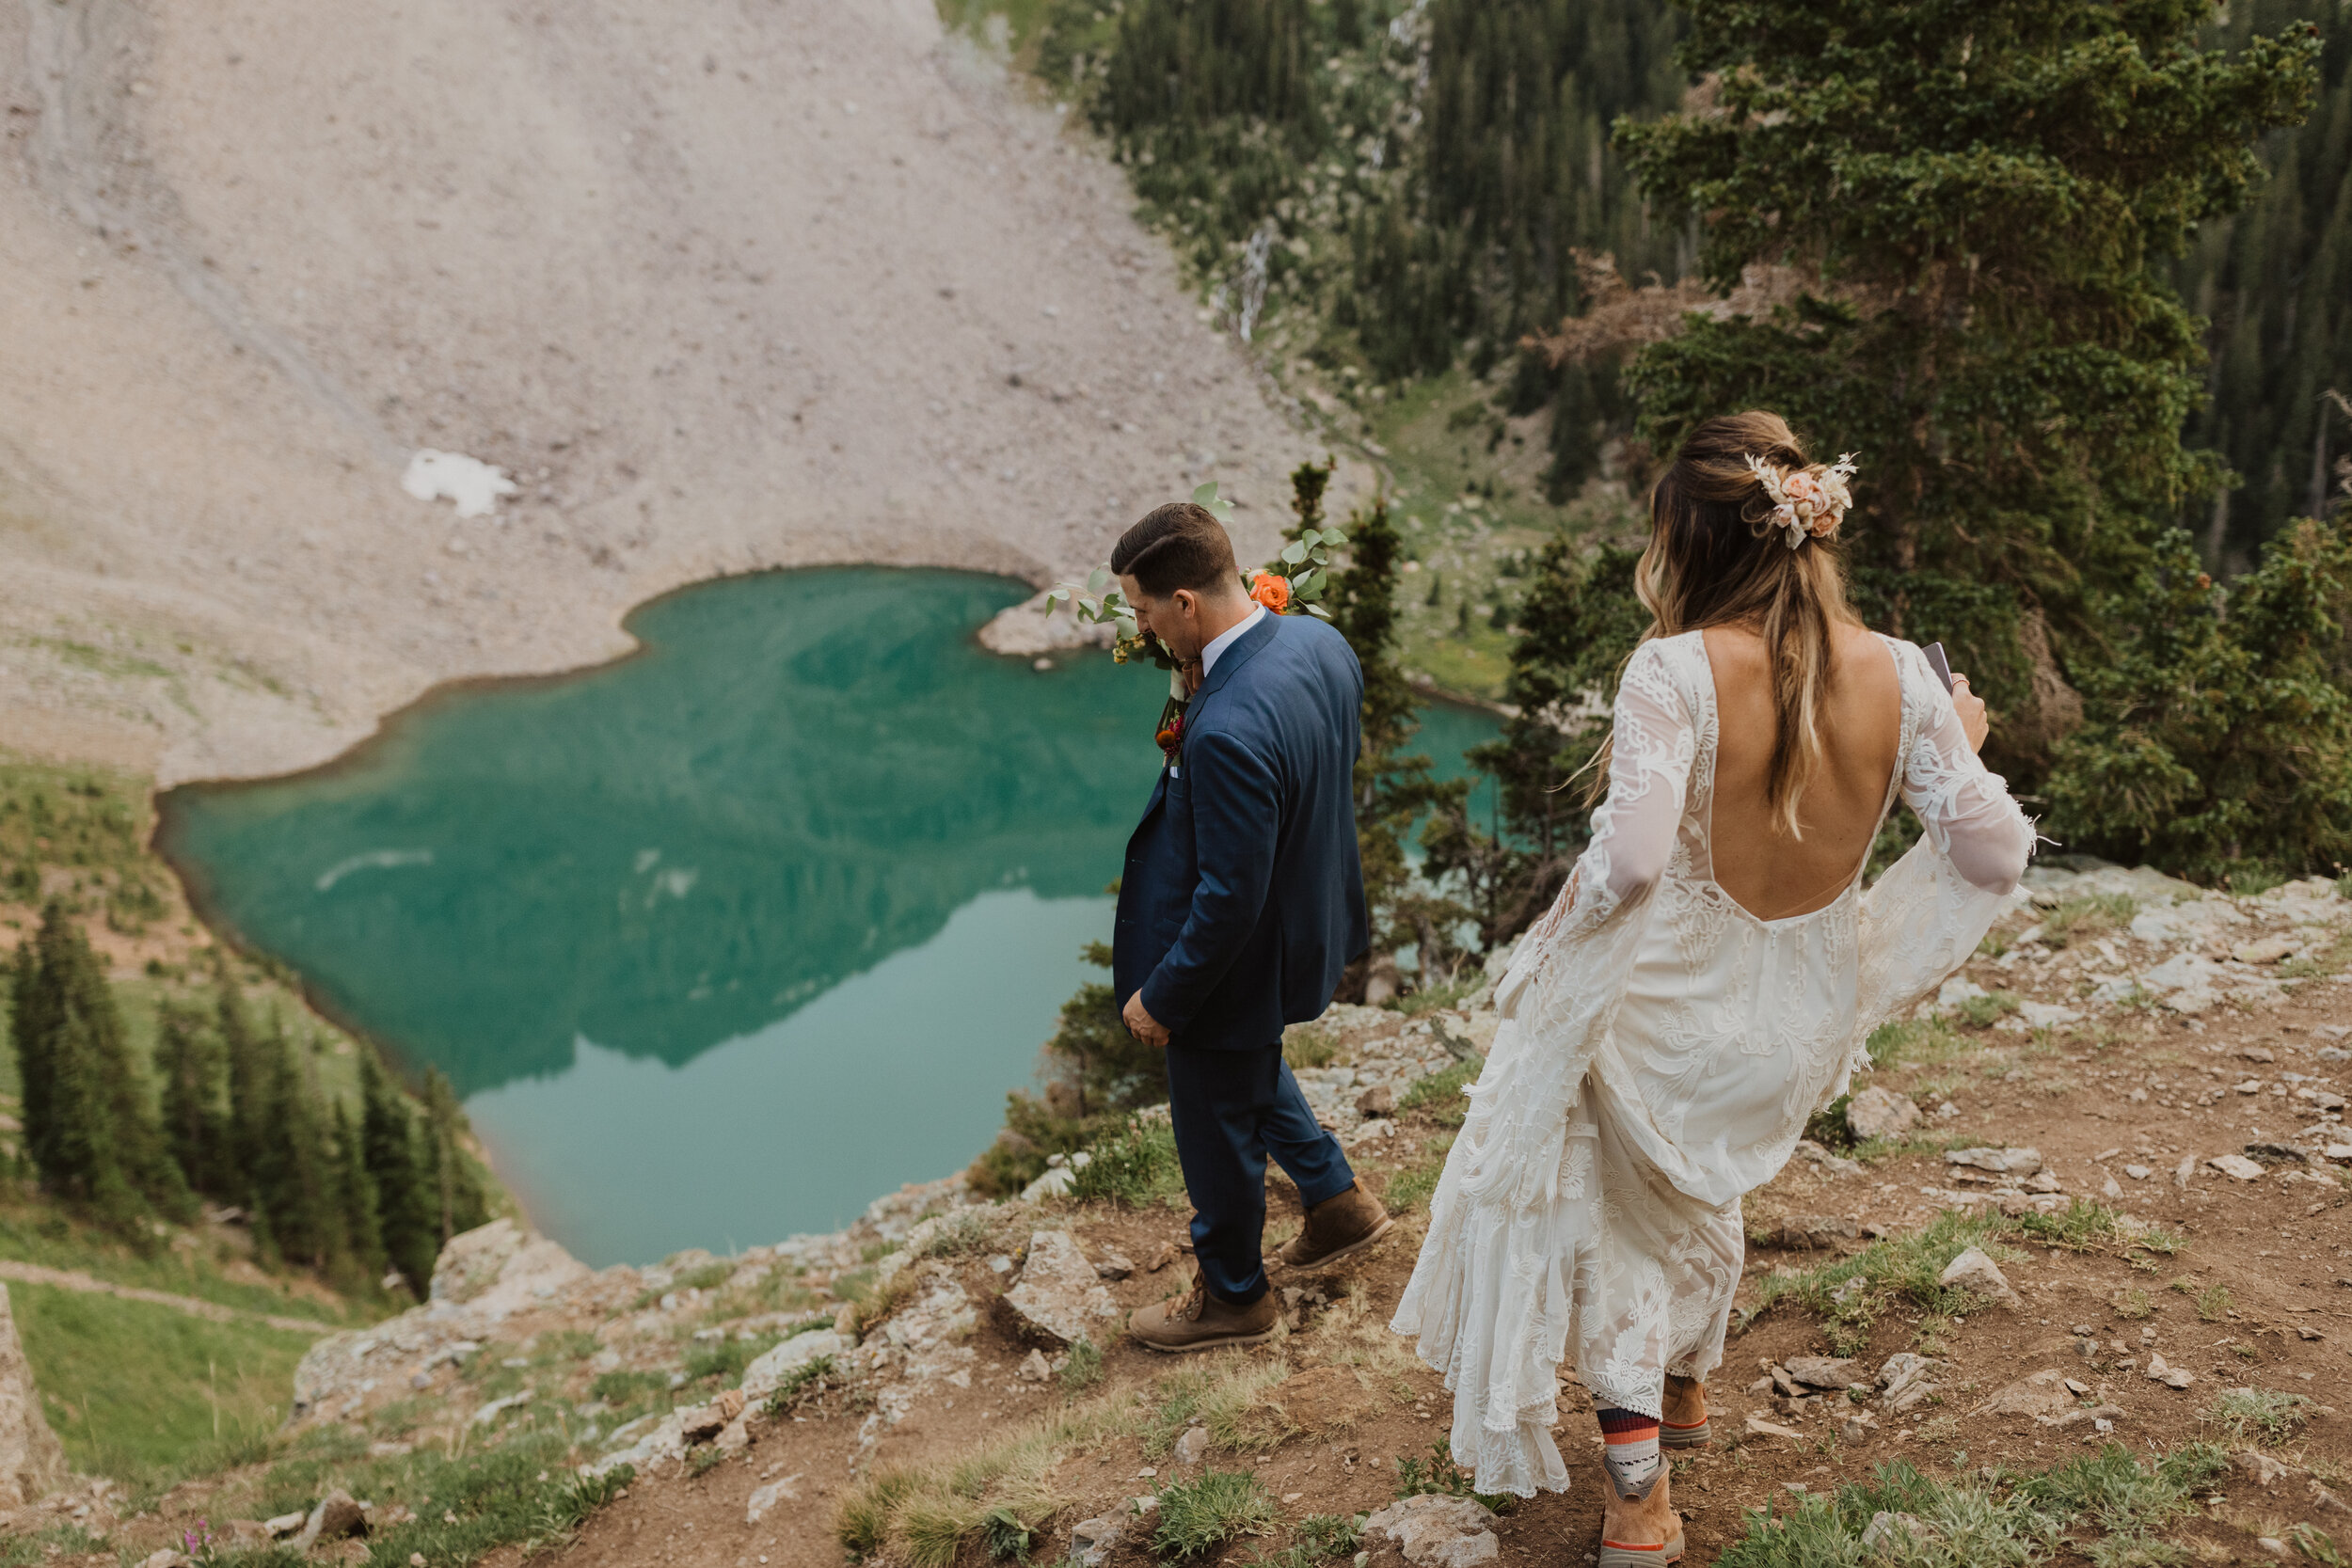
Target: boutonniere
{"points": [[1170, 734]]}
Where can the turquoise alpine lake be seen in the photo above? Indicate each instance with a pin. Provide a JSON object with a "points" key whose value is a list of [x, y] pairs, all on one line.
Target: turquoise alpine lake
{"points": [[722, 941]]}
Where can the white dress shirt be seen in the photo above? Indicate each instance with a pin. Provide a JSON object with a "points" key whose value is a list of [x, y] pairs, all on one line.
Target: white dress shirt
{"points": [[1226, 638]]}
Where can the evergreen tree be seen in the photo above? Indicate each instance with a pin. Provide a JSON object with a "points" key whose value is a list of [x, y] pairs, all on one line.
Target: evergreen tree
{"points": [[245, 1054], [2220, 741], [1392, 782], [193, 1069], [355, 1202], [2275, 282], [94, 1137], [1987, 192], [406, 1211], [455, 1190]]}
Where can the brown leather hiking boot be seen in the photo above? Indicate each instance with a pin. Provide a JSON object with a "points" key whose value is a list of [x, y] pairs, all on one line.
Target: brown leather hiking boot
{"points": [[1198, 1320], [1338, 1227]]}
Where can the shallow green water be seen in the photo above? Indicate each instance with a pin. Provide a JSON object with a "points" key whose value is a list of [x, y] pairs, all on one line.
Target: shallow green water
{"points": [[722, 941]]}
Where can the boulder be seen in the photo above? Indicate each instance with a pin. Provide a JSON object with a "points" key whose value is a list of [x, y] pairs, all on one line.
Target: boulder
{"points": [[766, 1373], [500, 1267], [1059, 1297], [1437, 1532], [1877, 1112], [337, 1514], [1825, 1371], [32, 1461], [1092, 1541], [1973, 1272]]}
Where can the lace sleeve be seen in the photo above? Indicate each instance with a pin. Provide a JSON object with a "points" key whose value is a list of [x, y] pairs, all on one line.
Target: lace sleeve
{"points": [[1965, 808], [1922, 919]]}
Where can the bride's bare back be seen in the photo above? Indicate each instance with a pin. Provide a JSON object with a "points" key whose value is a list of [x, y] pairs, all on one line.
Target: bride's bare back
{"points": [[1767, 873]]}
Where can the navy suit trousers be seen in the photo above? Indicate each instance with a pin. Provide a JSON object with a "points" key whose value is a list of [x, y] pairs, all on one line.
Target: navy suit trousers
{"points": [[1231, 1109]]}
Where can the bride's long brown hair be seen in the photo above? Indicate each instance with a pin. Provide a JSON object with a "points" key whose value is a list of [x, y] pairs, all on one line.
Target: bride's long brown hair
{"points": [[1715, 560]]}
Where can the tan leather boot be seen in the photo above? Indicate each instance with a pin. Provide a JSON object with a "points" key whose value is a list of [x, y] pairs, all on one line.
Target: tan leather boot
{"points": [[1198, 1320], [1338, 1227]]}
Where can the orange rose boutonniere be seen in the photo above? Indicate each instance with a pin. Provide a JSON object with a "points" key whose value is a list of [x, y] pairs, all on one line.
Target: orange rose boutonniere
{"points": [[1271, 589]]}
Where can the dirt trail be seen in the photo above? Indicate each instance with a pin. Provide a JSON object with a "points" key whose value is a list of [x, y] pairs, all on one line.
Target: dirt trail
{"points": [[725, 287], [74, 1280]]}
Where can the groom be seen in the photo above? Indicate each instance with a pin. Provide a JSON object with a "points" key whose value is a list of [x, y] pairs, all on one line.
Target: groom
{"points": [[1241, 902]]}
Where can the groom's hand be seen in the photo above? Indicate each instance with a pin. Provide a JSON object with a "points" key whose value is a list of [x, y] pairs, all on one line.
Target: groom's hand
{"points": [[1140, 1024]]}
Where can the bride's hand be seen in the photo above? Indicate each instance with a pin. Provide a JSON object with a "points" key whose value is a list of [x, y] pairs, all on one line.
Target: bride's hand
{"points": [[1972, 718]]}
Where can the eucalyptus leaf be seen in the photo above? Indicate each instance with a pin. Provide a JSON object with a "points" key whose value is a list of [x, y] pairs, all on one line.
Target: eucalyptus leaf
{"points": [[1295, 552], [1099, 579], [1307, 584], [1318, 612], [1093, 607]]}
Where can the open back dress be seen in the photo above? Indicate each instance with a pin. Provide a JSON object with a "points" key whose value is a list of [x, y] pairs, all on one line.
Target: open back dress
{"points": [[1659, 1053]]}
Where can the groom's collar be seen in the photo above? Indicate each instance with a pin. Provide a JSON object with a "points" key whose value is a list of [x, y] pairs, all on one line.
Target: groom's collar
{"points": [[1238, 653], [1226, 638]]}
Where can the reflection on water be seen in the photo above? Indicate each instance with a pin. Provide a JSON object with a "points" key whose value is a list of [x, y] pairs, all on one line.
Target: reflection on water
{"points": [[723, 939]]}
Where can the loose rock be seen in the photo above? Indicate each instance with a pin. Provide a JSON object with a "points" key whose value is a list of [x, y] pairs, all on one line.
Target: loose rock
{"points": [[1437, 1532], [1881, 1113], [1825, 1371], [1378, 1100], [1059, 1297], [337, 1516], [2236, 1167], [1975, 1271], [766, 1373], [1092, 1541], [761, 1501], [2001, 1162], [2260, 1469]]}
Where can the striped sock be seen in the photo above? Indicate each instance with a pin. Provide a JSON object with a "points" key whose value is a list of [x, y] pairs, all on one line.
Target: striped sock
{"points": [[1630, 1451]]}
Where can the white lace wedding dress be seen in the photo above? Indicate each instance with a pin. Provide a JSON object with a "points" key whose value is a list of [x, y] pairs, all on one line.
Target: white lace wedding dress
{"points": [[1659, 1050]]}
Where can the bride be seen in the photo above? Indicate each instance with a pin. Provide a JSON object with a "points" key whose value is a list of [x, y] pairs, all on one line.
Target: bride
{"points": [[1706, 980]]}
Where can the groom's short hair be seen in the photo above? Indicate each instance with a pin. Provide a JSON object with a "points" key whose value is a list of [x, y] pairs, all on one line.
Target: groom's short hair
{"points": [[1177, 545]]}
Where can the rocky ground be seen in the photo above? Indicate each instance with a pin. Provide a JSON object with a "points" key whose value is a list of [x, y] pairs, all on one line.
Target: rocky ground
{"points": [[2093, 1200], [721, 286]]}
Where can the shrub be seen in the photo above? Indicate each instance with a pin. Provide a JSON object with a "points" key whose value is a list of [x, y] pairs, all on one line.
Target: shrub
{"points": [[1134, 1165], [2272, 1414]]}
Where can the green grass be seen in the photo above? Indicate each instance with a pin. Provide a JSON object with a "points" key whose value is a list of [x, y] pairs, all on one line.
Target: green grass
{"points": [[2082, 919], [1134, 1165], [134, 1389], [2109, 1507], [1084, 1369], [1850, 1293], [1304, 1045], [33, 1230], [1442, 1093], [1982, 1012], [2267, 1412], [1412, 1184], [1439, 1476], [1230, 1401], [725, 1359], [468, 1504], [1198, 1516], [1317, 1538], [1913, 1042]]}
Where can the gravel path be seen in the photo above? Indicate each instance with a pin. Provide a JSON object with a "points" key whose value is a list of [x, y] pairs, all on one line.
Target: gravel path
{"points": [[74, 1280]]}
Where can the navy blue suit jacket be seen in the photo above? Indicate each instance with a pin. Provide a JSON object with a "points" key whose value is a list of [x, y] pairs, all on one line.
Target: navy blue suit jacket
{"points": [[1243, 897]]}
